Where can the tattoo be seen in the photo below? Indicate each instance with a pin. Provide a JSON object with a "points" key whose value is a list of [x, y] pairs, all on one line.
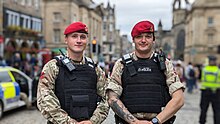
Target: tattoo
{"points": [[130, 117], [119, 108]]}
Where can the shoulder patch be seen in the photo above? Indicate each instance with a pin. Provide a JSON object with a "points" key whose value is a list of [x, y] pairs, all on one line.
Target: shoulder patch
{"points": [[127, 59], [90, 62]]}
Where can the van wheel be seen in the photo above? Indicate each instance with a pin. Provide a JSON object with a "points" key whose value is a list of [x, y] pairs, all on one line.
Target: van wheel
{"points": [[1, 109]]}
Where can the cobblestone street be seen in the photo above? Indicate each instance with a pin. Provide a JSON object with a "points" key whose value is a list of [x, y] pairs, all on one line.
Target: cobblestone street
{"points": [[189, 114]]}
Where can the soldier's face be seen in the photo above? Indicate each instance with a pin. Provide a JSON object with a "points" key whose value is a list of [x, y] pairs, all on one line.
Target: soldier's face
{"points": [[76, 42], [144, 42]]}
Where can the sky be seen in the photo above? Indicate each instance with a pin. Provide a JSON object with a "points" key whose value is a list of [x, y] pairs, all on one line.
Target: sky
{"points": [[129, 12]]}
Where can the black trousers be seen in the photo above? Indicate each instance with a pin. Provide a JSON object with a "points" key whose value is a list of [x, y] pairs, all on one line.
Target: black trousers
{"points": [[208, 96]]}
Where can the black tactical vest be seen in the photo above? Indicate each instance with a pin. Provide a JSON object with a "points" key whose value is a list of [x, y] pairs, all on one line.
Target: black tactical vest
{"points": [[76, 90], [144, 86]]}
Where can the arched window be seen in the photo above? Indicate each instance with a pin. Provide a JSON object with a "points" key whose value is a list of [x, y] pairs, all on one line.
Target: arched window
{"points": [[180, 45]]}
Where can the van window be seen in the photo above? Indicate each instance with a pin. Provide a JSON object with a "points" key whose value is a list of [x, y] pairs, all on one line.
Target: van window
{"points": [[22, 81], [4, 77], [19, 78]]}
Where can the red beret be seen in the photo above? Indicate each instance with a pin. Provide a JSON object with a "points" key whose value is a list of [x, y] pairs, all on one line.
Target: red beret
{"points": [[76, 27], [142, 27]]}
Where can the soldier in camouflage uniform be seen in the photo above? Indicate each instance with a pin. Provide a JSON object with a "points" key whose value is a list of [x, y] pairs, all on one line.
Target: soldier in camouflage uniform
{"points": [[71, 88], [143, 87]]}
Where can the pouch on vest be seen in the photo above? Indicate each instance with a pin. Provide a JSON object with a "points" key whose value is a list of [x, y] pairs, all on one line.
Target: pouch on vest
{"points": [[79, 107]]}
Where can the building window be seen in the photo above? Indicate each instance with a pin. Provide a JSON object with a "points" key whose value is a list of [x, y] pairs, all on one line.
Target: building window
{"points": [[111, 27], [26, 21], [210, 38], [57, 16], [210, 22], [104, 26], [56, 36], [104, 18], [110, 47], [29, 2], [36, 4], [23, 2], [104, 38], [110, 18], [13, 18], [36, 24], [74, 18]]}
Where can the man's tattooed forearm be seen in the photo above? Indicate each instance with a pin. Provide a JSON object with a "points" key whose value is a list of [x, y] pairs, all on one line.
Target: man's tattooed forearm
{"points": [[119, 110]]}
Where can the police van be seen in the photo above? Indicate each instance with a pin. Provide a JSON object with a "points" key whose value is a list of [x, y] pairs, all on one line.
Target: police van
{"points": [[12, 83]]}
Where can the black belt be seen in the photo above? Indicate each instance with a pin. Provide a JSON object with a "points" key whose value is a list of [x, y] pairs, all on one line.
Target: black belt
{"points": [[81, 119]]}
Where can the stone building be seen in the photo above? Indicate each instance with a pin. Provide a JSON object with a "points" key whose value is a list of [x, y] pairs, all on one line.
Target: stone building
{"points": [[180, 8], [114, 44], [173, 41], [202, 31], [164, 40], [58, 14], [21, 27], [110, 34]]}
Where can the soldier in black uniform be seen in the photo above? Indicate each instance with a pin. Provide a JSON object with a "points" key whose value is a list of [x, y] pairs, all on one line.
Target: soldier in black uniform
{"points": [[143, 87]]}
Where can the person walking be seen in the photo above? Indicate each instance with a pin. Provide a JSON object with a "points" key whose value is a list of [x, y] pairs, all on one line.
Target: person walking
{"points": [[71, 87], [2, 61], [179, 70], [210, 91], [143, 87], [190, 78]]}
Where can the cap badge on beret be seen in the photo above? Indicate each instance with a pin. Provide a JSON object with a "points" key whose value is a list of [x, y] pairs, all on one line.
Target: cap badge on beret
{"points": [[151, 29], [86, 29]]}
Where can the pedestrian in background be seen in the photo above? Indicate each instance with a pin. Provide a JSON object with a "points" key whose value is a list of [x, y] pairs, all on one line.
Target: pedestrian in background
{"points": [[179, 70], [2, 61], [139, 88], [16, 60], [71, 85], [210, 88], [190, 78]]}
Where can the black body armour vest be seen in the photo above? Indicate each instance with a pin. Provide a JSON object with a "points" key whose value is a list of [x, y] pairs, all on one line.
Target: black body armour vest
{"points": [[77, 90], [144, 87]]}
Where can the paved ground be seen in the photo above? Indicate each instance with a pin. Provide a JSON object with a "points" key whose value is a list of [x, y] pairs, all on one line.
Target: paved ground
{"points": [[189, 114]]}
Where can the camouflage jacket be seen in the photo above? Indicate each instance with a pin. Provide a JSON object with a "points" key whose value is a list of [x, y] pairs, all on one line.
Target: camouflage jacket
{"points": [[49, 104], [115, 83]]}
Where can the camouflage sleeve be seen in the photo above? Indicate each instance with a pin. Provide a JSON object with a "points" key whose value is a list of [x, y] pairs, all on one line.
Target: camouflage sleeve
{"points": [[172, 80], [102, 109], [47, 102], [114, 82]]}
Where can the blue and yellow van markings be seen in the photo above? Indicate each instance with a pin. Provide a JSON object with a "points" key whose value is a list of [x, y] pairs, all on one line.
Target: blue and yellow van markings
{"points": [[9, 90], [17, 89], [1, 92], [11, 100]]}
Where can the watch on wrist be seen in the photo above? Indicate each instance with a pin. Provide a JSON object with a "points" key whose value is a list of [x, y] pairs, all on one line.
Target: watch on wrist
{"points": [[155, 120]]}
